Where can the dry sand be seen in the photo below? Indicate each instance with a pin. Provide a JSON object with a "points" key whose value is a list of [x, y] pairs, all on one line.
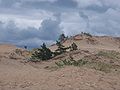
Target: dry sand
{"points": [[15, 74]]}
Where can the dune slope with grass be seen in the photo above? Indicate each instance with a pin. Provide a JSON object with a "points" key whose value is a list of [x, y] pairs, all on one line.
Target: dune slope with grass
{"points": [[94, 66]]}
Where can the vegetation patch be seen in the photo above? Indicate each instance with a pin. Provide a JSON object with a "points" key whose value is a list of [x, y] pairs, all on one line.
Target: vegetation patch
{"points": [[109, 54], [44, 53], [101, 66], [41, 54], [97, 65], [71, 62]]}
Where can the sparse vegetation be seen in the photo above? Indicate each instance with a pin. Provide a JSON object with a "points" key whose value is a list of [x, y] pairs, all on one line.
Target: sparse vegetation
{"points": [[45, 53], [110, 54], [87, 34], [62, 37], [66, 62], [61, 49], [42, 53], [97, 65], [73, 47], [101, 66], [18, 51], [70, 62]]}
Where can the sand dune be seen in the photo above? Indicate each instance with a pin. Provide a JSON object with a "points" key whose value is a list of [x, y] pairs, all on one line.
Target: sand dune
{"points": [[16, 74]]}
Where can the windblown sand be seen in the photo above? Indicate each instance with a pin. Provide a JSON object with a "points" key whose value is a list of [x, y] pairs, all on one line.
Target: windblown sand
{"points": [[16, 74]]}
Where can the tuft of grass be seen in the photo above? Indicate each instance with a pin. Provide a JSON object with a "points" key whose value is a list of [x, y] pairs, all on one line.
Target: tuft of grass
{"points": [[97, 65], [51, 68], [110, 54], [72, 62], [101, 66]]}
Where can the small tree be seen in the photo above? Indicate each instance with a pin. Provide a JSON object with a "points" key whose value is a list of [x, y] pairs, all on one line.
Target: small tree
{"points": [[61, 48], [42, 53], [74, 47], [62, 37]]}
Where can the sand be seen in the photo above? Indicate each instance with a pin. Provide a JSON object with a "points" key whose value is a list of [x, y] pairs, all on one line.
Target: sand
{"points": [[17, 74]]}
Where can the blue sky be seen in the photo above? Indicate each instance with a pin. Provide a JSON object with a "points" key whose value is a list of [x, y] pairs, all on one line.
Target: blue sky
{"points": [[32, 22]]}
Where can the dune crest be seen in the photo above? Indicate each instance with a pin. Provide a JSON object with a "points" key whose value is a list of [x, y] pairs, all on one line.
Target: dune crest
{"points": [[101, 72]]}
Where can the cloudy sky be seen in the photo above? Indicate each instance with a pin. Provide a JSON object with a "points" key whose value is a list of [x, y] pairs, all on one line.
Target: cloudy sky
{"points": [[31, 22]]}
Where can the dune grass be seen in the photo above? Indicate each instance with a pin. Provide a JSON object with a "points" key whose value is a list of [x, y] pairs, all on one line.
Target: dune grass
{"points": [[93, 64]]}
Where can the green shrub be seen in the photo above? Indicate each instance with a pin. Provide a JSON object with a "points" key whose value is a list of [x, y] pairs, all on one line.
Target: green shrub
{"points": [[42, 53], [72, 62], [73, 47], [61, 48], [62, 37], [97, 65], [101, 66]]}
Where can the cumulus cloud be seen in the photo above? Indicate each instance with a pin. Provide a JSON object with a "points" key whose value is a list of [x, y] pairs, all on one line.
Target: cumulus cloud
{"points": [[8, 3], [35, 21], [50, 29], [48, 32], [106, 23], [86, 3]]}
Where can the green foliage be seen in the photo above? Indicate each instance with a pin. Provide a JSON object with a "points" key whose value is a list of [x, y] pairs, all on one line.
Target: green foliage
{"points": [[97, 65], [73, 47], [18, 51], [61, 48], [101, 66], [42, 53], [71, 62], [62, 37]]}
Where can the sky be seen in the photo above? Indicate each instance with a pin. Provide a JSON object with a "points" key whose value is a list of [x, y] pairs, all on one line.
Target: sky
{"points": [[32, 22]]}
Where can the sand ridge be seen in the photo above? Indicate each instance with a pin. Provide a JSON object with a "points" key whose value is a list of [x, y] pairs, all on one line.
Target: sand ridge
{"points": [[15, 74]]}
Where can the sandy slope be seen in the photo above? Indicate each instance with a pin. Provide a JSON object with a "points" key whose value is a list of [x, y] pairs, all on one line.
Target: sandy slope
{"points": [[15, 74], [96, 42]]}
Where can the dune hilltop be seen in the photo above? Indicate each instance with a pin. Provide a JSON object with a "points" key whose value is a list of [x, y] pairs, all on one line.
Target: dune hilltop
{"points": [[101, 72]]}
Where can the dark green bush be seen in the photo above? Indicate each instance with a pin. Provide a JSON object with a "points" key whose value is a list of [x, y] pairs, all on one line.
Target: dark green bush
{"points": [[73, 47], [72, 62], [62, 37], [42, 53], [61, 48]]}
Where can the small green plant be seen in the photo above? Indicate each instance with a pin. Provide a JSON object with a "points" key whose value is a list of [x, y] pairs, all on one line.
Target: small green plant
{"points": [[62, 37], [71, 62], [101, 66], [61, 49], [42, 53], [18, 51], [73, 47], [97, 65]]}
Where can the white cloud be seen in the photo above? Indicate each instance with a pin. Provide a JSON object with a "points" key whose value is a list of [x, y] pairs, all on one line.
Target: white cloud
{"points": [[20, 22], [11, 33], [106, 23], [72, 23], [39, 0], [34, 20], [86, 3], [111, 3], [30, 18]]}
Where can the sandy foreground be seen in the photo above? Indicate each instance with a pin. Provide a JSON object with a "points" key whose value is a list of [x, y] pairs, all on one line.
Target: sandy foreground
{"points": [[15, 74]]}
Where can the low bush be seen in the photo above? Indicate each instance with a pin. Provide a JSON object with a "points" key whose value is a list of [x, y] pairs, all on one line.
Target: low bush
{"points": [[42, 53], [72, 62]]}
